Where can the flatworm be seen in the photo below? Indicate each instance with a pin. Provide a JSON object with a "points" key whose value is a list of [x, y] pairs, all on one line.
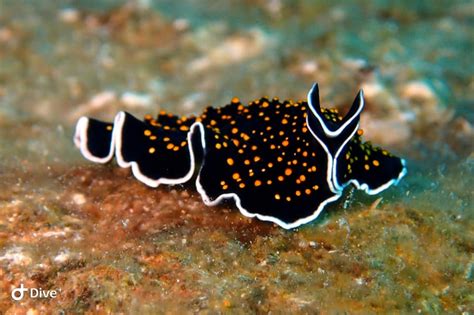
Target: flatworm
{"points": [[280, 161]]}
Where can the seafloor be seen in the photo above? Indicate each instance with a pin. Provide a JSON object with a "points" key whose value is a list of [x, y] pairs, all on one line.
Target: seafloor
{"points": [[109, 244]]}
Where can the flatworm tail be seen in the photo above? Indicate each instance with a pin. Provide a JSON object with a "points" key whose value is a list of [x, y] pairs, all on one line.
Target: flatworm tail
{"points": [[156, 153], [94, 139]]}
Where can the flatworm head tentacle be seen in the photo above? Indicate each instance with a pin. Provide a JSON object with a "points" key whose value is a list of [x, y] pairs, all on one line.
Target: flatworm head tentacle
{"points": [[157, 154], [94, 138], [264, 157]]}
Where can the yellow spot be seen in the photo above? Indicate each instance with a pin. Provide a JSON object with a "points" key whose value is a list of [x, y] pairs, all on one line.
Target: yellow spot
{"points": [[302, 178], [269, 182], [170, 146], [218, 146], [313, 168], [288, 172], [147, 133], [230, 161], [244, 136], [109, 128], [247, 162], [366, 166], [265, 104], [213, 122], [242, 185], [176, 148], [236, 142], [384, 152], [235, 100], [315, 187], [254, 148], [277, 196], [225, 187], [256, 159], [153, 138], [222, 183], [375, 162], [272, 147], [257, 183], [285, 143], [234, 130], [151, 150], [281, 178], [298, 193], [279, 159], [184, 128], [166, 139], [281, 133], [307, 191], [284, 121], [183, 143], [235, 176], [240, 151], [270, 165]]}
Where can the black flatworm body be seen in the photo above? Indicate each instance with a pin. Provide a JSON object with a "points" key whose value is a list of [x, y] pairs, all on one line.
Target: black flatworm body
{"points": [[280, 161]]}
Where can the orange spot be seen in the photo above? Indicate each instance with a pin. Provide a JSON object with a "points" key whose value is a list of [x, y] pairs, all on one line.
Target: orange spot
{"points": [[285, 143], [298, 193], [360, 132], [235, 176], [258, 183], [184, 128], [375, 162], [234, 130], [367, 167], [147, 133], [247, 162], [151, 150], [153, 138], [218, 146], [230, 161], [109, 128], [242, 185], [307, 191], [288, 172], [235, 100], [302, 178], [277, 196], [288, 198], [256, 159], [281, 178], [170, 146], [284, 121]]}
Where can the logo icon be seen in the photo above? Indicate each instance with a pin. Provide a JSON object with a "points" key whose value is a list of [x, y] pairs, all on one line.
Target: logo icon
{"points": [[19, 293]]}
